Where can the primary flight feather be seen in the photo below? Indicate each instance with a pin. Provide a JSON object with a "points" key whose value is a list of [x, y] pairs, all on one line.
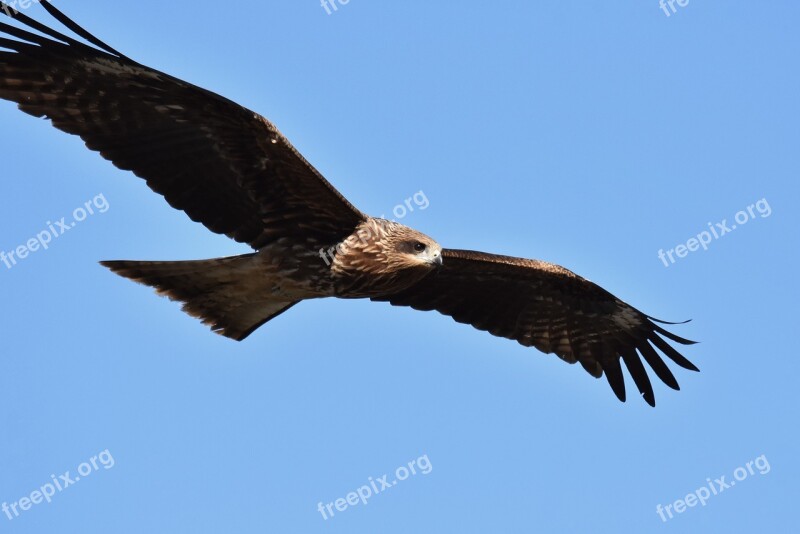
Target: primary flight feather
{"points": [[232, 170]]}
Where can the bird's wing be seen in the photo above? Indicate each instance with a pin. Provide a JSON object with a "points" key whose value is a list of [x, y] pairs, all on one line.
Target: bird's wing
{"points": [[225, 166], [546, 306]]}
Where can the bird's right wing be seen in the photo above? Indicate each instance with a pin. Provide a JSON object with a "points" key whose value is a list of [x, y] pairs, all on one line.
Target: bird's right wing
{"points": [[551, 308], [225, 166]]}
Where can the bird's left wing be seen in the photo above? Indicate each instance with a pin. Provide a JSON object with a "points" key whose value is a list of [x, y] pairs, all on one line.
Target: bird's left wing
{"points": [[224, 165], [551, 308]]}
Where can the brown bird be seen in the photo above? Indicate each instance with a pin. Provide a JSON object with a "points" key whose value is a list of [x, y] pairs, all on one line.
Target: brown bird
{"points": [[232, 170]]}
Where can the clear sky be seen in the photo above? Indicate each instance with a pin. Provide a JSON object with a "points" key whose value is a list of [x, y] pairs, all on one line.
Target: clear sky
{"points": [[589, 134]]}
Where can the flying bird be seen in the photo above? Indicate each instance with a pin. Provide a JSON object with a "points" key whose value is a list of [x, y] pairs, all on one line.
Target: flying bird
{"points": [[233, 171]]}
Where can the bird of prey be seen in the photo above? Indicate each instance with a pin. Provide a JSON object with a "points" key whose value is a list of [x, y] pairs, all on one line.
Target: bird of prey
{"points": [[232, 170]]}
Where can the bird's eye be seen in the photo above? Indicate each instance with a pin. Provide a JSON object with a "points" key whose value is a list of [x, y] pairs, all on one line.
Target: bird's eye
{"points": [[419, 247]]}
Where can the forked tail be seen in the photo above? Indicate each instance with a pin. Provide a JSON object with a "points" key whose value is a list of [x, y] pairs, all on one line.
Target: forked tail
{"points": [[227, 294]]}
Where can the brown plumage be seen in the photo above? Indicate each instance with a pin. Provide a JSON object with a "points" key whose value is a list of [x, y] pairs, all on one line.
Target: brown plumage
{"points": [[232, 170]]}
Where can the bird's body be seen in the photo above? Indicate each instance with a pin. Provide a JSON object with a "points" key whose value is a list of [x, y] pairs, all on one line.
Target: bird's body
{"points": [[236, 295], [232, 170]]}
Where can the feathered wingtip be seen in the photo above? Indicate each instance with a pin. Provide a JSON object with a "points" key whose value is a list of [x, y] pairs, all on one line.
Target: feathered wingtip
{"points": [[13, 13], [670, 335], [673, 354], [668, 322], [647, 343]]}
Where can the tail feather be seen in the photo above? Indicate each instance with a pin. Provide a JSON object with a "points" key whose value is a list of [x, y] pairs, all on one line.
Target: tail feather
{"points": [[226, 294]]}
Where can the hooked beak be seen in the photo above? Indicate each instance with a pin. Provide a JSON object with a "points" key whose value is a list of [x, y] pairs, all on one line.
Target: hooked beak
{"points": [[437, 260]]}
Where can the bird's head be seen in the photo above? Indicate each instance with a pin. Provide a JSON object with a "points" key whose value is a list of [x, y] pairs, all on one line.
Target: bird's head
{"points": [[407, 248], [386, 254], [412, 249]]}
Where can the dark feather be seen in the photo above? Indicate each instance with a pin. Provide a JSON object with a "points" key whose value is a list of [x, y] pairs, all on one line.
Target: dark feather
{"points": [[69, 23], [639, 374], [614, 377], [657, 364], [672, 354]]}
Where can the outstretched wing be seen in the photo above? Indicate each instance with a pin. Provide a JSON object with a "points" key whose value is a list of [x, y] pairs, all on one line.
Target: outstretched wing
{"points": [[225, 166], [551, 308]]}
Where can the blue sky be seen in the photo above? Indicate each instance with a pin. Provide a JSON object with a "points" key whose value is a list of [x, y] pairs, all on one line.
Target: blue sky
{"points": [[591, 135]]}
